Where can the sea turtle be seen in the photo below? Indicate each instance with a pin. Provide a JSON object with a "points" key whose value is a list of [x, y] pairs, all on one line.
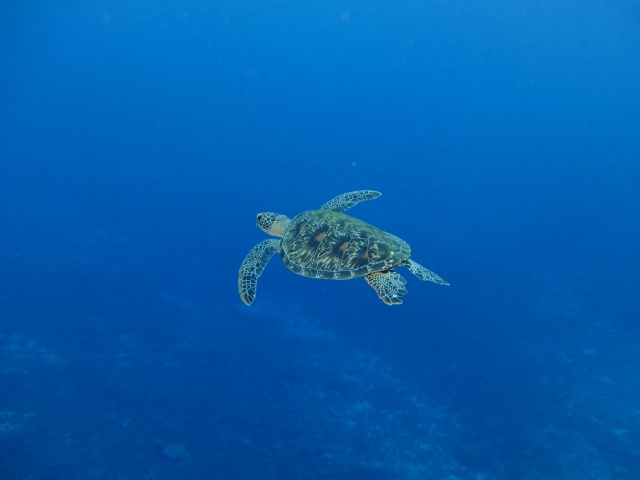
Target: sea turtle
{"points": [[326, 243]]}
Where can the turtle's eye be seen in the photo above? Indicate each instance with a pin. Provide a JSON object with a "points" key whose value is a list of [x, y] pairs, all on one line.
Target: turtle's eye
{"points": [[259, 217]]}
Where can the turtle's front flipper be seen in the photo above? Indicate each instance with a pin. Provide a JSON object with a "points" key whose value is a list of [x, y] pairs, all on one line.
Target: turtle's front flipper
{"points": [[347, 200], [388, 285], [423, 273], [252, 267]]}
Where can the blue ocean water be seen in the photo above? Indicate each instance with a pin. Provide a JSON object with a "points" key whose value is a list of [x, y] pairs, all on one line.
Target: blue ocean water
{"points": [[138, 140]]}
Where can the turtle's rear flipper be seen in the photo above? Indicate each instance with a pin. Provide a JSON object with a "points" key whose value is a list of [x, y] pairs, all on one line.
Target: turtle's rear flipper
{"points": [[388, 285], [423, 273], [252, 267]]}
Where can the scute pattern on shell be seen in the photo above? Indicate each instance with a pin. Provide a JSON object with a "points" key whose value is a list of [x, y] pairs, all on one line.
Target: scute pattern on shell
{"points": [[332, 245]]}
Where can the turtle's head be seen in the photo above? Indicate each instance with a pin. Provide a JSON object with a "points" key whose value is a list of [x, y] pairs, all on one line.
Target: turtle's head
{"points": [[272, 223]]}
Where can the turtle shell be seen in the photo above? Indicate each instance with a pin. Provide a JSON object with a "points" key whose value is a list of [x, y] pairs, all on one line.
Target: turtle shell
{"points": [[335, 246]]}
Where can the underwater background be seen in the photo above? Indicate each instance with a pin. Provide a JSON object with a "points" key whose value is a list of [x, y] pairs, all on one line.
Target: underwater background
{"points": [[138, 141]]}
